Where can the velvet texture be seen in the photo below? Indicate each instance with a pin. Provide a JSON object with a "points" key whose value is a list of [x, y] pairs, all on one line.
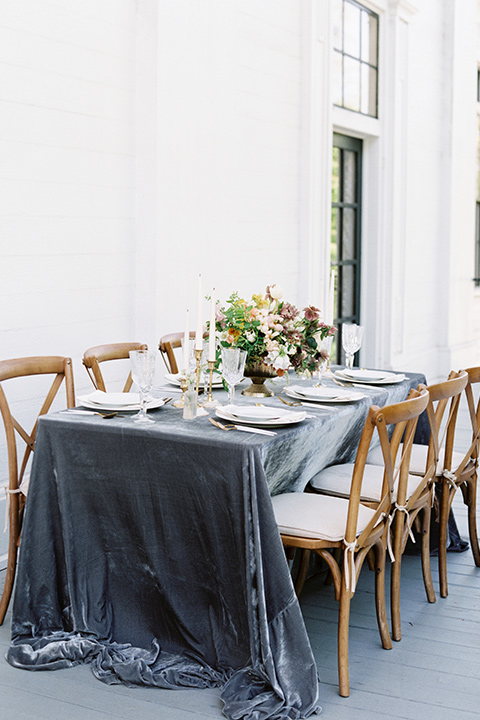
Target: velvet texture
{"points": [[153, 554]]}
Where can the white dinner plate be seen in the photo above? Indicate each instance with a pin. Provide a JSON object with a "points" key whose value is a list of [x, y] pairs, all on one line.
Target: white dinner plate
{"points": [[282, 418], [387, 378], [118, 399], [174, 379], [253, 412], [85, 401], [323, 395], [362, 374]]}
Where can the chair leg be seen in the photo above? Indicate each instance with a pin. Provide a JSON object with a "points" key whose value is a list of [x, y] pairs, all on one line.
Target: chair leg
{"points": [[426, 514], [380, 553], [343, 626], [302, 571], [9, 579], [337, 554], [469, 490], [395, 574], [445, 502]]}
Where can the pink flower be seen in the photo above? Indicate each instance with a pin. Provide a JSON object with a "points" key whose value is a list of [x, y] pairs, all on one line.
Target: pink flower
{"points": [[288, 311], [311, 313]]}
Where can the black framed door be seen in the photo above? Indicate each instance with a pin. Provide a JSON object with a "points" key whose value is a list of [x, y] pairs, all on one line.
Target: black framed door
{"points": [[345, 245]]}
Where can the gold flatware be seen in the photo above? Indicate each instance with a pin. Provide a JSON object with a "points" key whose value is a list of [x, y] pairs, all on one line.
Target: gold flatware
{"points": [[221, 426], [354, 384], [286, 402]]}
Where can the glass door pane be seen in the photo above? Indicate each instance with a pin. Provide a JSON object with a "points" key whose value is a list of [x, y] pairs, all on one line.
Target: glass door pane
{"points": [[345, 237]]}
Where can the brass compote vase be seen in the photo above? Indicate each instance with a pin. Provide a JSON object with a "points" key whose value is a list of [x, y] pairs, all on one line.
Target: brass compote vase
{"points": [[258, 372]]}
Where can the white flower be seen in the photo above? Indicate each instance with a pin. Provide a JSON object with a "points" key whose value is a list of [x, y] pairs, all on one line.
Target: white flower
{"points": [[250, 337], [276, 292], [279, 362]]}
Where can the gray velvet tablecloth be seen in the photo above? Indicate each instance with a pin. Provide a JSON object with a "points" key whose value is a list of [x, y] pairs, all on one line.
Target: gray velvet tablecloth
{"points": [[153, 553]]}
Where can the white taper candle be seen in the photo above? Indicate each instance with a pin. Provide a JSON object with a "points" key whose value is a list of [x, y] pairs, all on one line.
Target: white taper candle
{"points": [[211, 339], [199, 330], [186, 344]]}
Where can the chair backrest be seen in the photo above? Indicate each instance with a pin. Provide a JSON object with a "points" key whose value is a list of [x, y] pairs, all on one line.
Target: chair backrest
{"points": [[169, 343], [473, 453], [444, 396], [61, 369], [403, 417], [101, 353]]}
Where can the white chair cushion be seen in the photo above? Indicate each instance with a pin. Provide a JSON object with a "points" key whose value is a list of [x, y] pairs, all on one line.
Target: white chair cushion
{"points": [[418, 459], [315, 516], [336, 481]]}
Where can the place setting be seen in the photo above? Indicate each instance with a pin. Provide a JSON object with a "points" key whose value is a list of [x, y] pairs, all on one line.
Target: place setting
{"points": [[368, 377], [259, 415], [322, 394], [111, 404]]}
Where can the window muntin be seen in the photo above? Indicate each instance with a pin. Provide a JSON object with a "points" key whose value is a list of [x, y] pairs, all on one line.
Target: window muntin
{"points": [[355, 64], [345, 244]]}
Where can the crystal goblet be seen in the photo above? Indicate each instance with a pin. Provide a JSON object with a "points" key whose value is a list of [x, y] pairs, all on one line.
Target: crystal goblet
{"points": [[233, 366], [142, 363], [352, 336]]}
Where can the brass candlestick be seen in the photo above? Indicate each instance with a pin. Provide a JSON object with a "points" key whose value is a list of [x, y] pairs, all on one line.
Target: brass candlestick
{"points": [[198, 357], [184, 386], [210, 402]]}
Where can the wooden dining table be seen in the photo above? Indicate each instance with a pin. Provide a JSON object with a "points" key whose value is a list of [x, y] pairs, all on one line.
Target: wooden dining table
{"points": [[152, 553]]}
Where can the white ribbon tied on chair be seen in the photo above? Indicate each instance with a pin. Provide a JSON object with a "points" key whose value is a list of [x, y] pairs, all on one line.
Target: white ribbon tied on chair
{"points": [[8, 492], [349, 565], [450, 477], [22, 489], [400, 508]]}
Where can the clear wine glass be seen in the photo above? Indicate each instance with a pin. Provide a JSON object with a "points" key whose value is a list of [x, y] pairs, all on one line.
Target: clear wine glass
{"points": [[233, 366], [142, 363], [325, 347], [352, 336]]}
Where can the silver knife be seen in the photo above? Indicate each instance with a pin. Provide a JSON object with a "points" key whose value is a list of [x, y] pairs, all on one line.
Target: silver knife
{"points": [[245, 428]]}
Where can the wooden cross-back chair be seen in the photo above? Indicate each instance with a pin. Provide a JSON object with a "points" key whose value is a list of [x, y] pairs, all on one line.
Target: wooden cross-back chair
{"points": [[167, 346], [61, 369], [457, 470], [101, 353], [444, 399], [322, 523]]}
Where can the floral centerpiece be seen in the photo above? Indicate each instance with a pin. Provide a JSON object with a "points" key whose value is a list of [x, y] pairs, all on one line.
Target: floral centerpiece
{"points": [[274, 333]]}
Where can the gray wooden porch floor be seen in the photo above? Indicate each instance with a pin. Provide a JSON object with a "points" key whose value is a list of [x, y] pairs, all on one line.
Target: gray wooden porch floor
{"points": [[433, 672]]}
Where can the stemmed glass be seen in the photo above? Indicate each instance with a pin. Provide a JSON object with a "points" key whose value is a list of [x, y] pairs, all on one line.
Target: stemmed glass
{"points": [[233, 366], [352, 341], [325, 347], [142, 363]]}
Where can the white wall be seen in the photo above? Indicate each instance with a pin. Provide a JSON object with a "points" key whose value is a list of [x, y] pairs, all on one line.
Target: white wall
{"points": [[442, 138], [145, 141], [66, 200], [228, 142], [66, 182]]}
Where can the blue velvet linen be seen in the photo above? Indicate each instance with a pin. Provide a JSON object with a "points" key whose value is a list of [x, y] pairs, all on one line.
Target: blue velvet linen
{"points": [[153, 554]]}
